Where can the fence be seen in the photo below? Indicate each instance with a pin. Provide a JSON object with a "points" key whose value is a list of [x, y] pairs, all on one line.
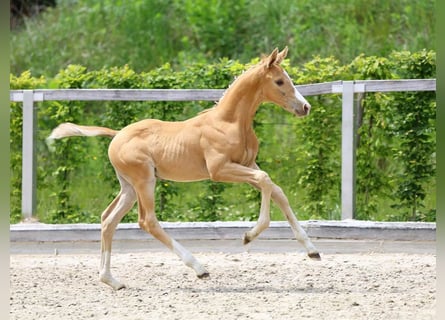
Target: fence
{"points": [[349, 123]]}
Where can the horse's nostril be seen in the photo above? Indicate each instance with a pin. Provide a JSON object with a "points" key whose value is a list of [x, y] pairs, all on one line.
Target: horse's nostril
{"points": [[306, 108]]}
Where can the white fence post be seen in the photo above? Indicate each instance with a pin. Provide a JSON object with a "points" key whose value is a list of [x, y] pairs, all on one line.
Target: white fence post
{"points": [[29, 172], [348, 150]]}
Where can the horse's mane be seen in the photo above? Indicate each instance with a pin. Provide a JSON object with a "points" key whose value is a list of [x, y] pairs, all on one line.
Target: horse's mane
{"points": [[263, 57]]}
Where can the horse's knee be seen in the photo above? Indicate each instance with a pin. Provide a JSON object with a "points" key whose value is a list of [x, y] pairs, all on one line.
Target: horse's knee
{"points": [[264, 181]]}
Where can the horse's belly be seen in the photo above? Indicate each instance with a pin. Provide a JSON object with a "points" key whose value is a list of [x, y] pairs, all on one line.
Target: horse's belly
{"points": [[180, 171]]}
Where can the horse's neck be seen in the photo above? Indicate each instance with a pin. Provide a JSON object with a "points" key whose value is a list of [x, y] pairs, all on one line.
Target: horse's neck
{"points": [[241, 100]]}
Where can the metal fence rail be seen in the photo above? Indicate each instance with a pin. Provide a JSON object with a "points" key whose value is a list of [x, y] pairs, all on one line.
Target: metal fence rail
{"points": [[347, 89]]}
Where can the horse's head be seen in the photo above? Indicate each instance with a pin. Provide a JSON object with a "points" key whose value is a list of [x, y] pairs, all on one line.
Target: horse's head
{"points": [[278, 87]]}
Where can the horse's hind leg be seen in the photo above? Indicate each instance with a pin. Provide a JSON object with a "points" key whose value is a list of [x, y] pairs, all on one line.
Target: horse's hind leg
{"points": [[110, 219], [148, 222]]}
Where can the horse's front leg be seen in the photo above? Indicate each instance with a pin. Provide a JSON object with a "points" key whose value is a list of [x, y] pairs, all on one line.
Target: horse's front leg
{"points": [[234, 172], [281, 200]]}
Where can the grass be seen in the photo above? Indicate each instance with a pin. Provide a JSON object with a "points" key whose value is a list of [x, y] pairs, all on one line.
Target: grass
{"points": [[146, 34]]}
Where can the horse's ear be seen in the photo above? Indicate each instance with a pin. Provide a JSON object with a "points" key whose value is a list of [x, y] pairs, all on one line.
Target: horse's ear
{"points": [[282, 55], [270, 60]]}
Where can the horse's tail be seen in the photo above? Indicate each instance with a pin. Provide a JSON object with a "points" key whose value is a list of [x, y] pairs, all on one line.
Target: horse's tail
{"points": [[68, 129]]}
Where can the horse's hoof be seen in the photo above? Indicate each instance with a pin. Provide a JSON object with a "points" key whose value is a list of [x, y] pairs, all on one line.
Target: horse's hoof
{"points": [[109, 280], [246, 239], [121, 286], [204, 275], [314, 256]]}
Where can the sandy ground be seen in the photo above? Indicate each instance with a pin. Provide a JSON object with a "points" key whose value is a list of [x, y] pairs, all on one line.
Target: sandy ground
{"points": [[242, 285]]}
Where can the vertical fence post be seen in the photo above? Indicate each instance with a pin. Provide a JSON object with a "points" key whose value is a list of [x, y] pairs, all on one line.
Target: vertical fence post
{"points": [[29, 174], [348, 150]]}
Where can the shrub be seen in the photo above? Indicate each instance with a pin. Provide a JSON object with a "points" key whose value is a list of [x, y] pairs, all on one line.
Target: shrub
{"points": [[395, 155]]}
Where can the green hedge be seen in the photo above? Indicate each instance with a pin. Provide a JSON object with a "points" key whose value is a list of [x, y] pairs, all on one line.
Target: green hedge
{"points": [[395, 157]]}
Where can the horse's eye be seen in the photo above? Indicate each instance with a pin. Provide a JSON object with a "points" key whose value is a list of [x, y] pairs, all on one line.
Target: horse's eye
{"points": [[279, 82]]}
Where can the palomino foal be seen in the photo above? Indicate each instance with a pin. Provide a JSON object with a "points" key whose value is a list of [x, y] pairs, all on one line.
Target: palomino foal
{"points": [[217, 144]]}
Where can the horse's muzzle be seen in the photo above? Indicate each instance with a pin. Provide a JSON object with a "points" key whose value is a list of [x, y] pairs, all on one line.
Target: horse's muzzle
{"points": [[306, 108]]}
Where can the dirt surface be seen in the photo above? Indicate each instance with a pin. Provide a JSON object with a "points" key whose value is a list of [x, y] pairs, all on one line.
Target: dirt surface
{"points": [[255, 285]]}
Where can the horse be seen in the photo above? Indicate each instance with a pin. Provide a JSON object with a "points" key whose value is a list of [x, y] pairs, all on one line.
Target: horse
{"points": [[219, 144]]}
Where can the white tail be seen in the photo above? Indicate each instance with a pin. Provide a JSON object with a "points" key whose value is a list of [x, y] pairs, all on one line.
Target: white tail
{"points": [[68, 129]]}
